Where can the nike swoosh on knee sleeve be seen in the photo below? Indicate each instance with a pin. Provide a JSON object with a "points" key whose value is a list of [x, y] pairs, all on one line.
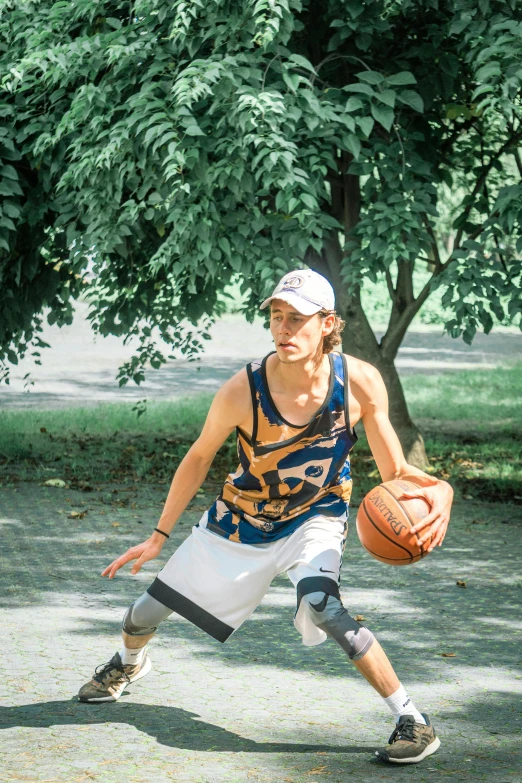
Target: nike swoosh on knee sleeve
{"points": [[320, 607]]}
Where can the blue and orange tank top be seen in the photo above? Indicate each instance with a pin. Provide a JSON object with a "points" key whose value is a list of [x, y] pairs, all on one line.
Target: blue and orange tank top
{"points": [[287, 474]]}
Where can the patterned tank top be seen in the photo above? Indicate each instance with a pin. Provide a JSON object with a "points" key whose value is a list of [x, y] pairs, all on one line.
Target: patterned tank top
{"points": [[287, 474]]}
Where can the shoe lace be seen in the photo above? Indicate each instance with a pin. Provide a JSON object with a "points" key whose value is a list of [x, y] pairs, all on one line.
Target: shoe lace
{"points": [[105, 669], [405, 731]]}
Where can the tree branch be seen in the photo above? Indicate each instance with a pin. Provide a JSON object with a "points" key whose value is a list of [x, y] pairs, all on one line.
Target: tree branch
{"points": [[404, 285], [389, 283], [331, 57], [500, 254], [481, 182], [435, 247], [394, 336]]}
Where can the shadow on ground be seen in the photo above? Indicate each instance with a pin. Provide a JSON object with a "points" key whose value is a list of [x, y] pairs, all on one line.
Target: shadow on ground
{"points": [[58, 609], [417, 612], [170, 726]]}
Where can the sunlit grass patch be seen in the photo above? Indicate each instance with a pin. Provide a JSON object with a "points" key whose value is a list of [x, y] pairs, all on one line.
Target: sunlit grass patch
{"points": [[486, 397], [183, 417], [471, 421]]}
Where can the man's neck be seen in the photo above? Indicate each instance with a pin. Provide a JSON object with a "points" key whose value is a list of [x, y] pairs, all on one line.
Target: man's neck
{"points": [[300, 375]]}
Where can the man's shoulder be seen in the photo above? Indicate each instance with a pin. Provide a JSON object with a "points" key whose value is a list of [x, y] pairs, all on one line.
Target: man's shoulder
{"points": [[361, 372], [237, 384], [232, 402]]}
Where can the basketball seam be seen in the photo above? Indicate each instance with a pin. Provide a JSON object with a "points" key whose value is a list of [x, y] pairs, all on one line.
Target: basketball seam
{"points": [[376, 554], [421, 546], [384, 534]]}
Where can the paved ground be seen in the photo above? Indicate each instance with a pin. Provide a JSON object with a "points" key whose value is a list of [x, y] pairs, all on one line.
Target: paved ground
{"points": [[81, 370], [262, 707]]}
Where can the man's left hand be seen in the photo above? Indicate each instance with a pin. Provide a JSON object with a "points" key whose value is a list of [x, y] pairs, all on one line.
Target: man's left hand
{"points": [[434, 525]]}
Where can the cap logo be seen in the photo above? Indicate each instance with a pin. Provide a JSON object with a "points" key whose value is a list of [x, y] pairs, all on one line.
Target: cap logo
{"points": [[293, 282]]}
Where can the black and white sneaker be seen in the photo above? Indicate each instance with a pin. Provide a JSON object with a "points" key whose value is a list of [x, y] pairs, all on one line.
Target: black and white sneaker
{"points": [[410, 742], [110, 679]]}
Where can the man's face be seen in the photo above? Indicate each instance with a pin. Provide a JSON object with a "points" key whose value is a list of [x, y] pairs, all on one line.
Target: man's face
{"points": [[296, 336]]}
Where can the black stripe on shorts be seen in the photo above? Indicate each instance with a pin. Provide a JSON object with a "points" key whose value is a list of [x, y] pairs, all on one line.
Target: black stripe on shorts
{"points": [[189, 610]]}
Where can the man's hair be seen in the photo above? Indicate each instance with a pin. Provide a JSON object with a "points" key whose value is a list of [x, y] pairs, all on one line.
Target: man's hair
{"points": [[334, 338]]}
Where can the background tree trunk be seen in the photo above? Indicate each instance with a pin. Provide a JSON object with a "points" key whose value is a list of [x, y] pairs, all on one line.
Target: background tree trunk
{"points": [[359, 340], [358, 337]]}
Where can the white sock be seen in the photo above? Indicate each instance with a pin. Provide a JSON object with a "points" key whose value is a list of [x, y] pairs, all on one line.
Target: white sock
{"points": [[132, 656], [401, 704]]}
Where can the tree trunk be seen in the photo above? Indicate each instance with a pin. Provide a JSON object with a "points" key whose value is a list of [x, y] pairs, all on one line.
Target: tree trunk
{"points": [[409, 434], [359, 340]]}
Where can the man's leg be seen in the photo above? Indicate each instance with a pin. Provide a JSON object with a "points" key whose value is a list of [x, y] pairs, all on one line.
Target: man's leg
{"points": [[377, 669], [414, 738], [210, 581], [312, 559], [139, 625], [131, 663]]}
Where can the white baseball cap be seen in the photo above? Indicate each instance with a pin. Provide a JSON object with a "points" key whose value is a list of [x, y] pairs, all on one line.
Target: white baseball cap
{"points": [[306, 290]]}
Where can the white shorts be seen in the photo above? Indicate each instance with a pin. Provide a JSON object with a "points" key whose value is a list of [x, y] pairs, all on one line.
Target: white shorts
{"points": [[217, 583]]}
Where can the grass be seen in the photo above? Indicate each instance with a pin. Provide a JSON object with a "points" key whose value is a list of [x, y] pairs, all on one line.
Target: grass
{"points": [[479, 399], [471, 423]]}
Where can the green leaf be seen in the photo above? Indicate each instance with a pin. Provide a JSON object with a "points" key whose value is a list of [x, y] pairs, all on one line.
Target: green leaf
{"points": [[371, 77], [366, 125], [487, 71], [384, 115], [280, 200], [155, 198], [6, 222], [292, 80], [194, 130], [302, 62], [224, 244], [403, 77], [12, 210], [469, 334], [353, 104], [354, 145], [387, 97], [358, 87], [459, 24], [9, 172], [411, 98], [309, 200], [113, 22]]}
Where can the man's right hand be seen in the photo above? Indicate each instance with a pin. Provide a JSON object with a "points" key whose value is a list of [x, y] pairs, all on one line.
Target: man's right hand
{"points": [[148, 550]]}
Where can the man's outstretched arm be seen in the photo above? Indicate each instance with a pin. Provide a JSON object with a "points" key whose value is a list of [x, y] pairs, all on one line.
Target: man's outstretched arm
{"points": [[388, 454], [229, 408]]}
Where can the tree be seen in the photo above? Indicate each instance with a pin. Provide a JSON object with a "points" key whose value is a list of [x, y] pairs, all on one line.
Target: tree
{"points": [[170, 146]]}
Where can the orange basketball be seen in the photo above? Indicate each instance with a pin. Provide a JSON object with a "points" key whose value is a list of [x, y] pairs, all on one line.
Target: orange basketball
{"points": [[384, 523]]}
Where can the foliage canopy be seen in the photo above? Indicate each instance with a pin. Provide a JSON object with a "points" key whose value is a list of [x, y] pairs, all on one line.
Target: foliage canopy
{"points": [[166, 147]]}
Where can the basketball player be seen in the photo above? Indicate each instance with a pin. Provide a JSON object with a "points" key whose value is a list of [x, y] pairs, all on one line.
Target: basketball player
{"points": [[284, 509]]}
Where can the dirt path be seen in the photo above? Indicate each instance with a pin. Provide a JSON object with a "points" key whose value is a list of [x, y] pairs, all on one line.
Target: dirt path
{"points": [[262, 707]]}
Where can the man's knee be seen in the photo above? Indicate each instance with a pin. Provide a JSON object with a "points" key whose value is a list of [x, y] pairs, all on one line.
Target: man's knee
{"points": [[144, 615], [323, 604]]}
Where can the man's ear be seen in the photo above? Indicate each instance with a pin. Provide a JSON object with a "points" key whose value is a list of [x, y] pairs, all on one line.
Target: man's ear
{"points": [[328, 324]]}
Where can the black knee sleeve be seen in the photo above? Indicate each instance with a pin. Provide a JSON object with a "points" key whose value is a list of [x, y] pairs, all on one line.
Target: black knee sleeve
{"points": [[323, 602]]}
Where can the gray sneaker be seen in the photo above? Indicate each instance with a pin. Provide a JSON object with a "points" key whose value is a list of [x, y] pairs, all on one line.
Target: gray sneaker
{"points": [[110, 679], [410, 742]]}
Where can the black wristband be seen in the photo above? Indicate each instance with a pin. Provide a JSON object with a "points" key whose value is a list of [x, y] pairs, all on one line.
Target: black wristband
{"points": [[162, 532]]}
